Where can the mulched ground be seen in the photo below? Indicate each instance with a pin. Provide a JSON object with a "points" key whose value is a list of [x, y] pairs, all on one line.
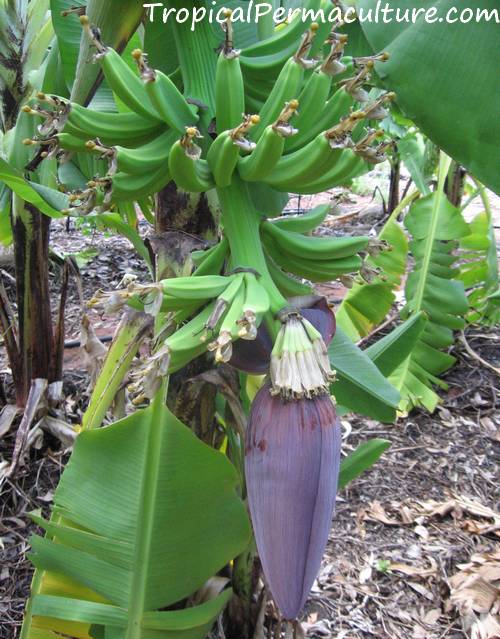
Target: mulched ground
{"points": [[393, 546]]}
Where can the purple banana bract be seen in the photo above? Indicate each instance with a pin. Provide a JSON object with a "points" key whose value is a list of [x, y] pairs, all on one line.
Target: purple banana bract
{"points": [[292, 465]]}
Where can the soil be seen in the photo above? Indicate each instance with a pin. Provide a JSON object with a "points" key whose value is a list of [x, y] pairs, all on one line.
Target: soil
{"points": [[393, 546]]}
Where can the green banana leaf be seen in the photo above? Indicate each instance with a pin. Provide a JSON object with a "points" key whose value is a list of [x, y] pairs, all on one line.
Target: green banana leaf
{"points": [[69, 33], [5, 205], [479, 268], [446, 79], [46, 200], [435, 226], [363, 387], [411, 150], [144, 515], [365, 455], [360, 386], [390, 351], [366, 305]]}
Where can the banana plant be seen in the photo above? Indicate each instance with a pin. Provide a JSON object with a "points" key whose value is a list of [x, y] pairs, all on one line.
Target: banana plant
{"points": [[25, 34], [222, 128]]}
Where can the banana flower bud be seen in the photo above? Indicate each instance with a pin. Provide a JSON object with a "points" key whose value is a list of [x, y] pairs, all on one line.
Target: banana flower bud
{"points": [[292, 463], [254, 357]]}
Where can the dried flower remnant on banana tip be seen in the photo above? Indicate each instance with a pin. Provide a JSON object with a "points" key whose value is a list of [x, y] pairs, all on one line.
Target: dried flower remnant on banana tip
{"points": [[149, 295], [282, 124]]}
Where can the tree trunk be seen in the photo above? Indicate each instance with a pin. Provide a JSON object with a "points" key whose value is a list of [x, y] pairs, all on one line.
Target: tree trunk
{"points": [[394, 186], [455, 183], [31, 231]]}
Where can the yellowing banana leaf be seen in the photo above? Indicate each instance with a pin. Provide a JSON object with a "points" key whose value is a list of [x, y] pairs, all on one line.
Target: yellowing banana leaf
{"points": [[366, 305], [435, 226], [144, 514], [445, 76]]}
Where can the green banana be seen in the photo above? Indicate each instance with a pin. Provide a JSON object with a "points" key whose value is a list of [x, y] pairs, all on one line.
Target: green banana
{"points": [[125, 186], [269, 148], [285, 89], [348, 167], [188, 171], [266, 58], [304, 222], [316, 91], [322, 248], [313, 95], [313, 270], [284, 37], [111, 128], [257, 301], [146, 158], [333, 111], [234, 313], [211, 261], [224, 152], [288, 286], [189, 341], [65, 141], [196, 288], [222, 345], [229, 88], [170, 105], [253, 105], [309, 162], [120, 77]]}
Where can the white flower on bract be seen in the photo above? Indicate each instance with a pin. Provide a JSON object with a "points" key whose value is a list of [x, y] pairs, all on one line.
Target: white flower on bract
{"points": [[300, 366]]}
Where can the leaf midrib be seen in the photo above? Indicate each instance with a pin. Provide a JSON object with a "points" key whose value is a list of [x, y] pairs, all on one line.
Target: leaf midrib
{"points": [[145, 519], [444, 164]]}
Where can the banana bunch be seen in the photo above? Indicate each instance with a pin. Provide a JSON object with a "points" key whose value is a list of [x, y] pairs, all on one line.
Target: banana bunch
{"points": [[290, 113], [306, 133]]}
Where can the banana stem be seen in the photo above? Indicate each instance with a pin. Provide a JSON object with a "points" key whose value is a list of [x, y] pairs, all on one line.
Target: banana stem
{"points": [[126, 342], [241, 224]]}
